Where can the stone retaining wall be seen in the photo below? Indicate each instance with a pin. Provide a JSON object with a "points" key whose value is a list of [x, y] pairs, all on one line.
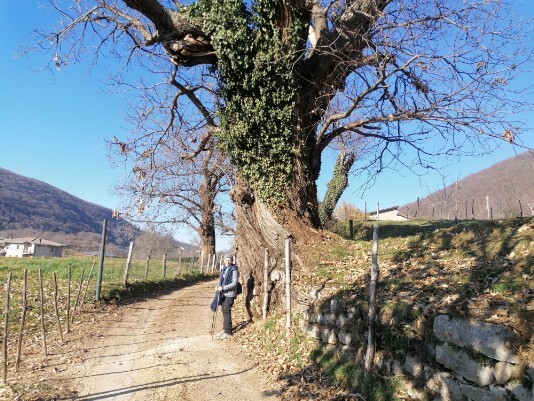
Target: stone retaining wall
{"points": [[466, 361]]}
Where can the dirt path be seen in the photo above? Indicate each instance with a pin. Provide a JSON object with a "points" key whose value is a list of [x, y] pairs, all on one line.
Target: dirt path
{"points": [[161, 349]]}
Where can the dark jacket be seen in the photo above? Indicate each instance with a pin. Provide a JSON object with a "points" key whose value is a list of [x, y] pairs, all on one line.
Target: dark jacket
{"points": [[230, 275]]}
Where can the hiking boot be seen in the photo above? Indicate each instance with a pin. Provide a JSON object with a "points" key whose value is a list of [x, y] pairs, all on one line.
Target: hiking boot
{"points": [[224, 336]]}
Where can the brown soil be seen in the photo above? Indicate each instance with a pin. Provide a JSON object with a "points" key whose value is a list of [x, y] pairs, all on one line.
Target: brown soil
{"points": [[156, 349]]}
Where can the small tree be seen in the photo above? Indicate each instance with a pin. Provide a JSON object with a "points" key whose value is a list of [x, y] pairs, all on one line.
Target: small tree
{"points": [[347, 211]]}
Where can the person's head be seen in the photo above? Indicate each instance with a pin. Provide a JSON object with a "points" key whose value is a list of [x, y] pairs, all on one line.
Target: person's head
{"points": [[228, 259]]}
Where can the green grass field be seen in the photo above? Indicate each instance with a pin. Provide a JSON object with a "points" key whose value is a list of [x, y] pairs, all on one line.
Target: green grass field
{"points": [[82, 285]]}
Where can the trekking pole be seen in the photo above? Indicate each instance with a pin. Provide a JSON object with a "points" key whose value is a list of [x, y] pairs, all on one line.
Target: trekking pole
{"points": [[218, 300], [214, 315]]}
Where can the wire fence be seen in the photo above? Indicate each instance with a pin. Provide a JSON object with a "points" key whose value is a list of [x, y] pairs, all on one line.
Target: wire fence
{"points": [[42, 299]]}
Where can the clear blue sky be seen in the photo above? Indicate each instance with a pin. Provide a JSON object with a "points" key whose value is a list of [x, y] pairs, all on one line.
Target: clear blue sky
{"points": [[53, 126]]}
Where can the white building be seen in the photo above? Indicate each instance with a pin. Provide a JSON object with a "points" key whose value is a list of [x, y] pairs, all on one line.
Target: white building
{"points": [[32, 247], [389, 214]]}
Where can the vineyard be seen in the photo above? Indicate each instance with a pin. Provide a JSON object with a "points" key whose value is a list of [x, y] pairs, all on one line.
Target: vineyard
{"points": [[41, 298]]}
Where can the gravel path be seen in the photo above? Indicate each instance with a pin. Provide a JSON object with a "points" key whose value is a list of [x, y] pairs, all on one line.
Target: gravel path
{"points": [[161, 349]]}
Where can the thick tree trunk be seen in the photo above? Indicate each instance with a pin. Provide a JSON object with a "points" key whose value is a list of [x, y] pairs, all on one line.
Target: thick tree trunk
{"points": [[206, 230], [258, 228], [207, 241]]}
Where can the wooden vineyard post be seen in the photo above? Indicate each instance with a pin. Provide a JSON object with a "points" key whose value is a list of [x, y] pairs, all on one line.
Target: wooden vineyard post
{"points": [[164, 265], [377, 211], [87, 284], [68, 298], [6, 321], [208, 263], [22, 318], [41, 308], [265, 283], [101, 261], [179, 267], [128, 262], [372, 303], [147, 264], [57, 310], [77, 295]]}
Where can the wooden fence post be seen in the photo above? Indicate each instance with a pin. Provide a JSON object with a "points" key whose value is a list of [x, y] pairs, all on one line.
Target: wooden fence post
{"points": [[265, 283], [68, 298], [41, 309], [147, 263], [128, 263], [288, 284], [22, 318], [87, 284], [179, 268], [56, 309], [164, 265], [351, 229], [78, 292], [377, 211], [101, 262], [6, 321], [372, 303]]}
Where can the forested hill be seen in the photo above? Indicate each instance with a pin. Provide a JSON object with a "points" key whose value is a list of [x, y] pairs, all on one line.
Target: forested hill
{"points": [[29, 207], [503, 190]]}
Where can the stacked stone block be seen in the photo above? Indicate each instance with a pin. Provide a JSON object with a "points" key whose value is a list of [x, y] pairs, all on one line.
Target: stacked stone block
{"points": [[472, 361]]}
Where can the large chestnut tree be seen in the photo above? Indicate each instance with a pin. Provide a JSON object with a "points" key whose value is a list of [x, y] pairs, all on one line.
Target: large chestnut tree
{"points": [[273, 83]]}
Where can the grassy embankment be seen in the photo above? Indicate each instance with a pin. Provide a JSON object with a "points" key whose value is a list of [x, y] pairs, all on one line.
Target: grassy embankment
{"points": [[480, 270]]}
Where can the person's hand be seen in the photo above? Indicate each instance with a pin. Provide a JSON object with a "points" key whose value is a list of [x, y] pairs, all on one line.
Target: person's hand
{"points": [[219, 288]]}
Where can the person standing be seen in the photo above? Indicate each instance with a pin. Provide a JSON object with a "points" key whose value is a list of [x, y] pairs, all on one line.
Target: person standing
{"points": [[228, 290]]}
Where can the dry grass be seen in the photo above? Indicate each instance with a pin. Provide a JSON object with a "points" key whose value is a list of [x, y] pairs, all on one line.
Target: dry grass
{"points": [[474, 270]]}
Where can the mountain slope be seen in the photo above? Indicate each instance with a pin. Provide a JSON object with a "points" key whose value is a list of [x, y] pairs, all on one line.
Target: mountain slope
{"points": [[29, 206], [503, 190]]}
